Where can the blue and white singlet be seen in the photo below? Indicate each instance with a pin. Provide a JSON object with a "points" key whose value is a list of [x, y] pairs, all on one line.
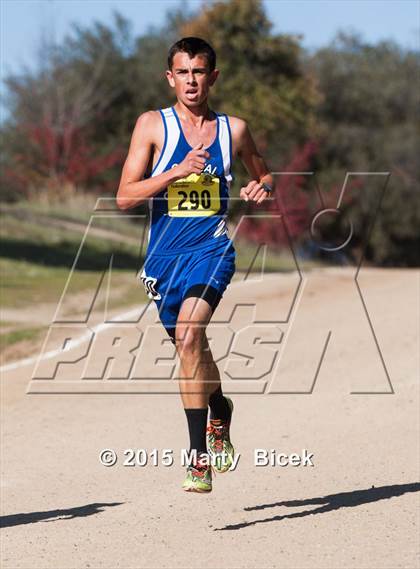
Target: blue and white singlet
{"points": [[191, 213]]}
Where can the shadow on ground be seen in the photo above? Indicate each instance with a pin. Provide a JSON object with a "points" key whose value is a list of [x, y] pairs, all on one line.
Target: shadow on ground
{"points": [[49, 515], [328, 503]]}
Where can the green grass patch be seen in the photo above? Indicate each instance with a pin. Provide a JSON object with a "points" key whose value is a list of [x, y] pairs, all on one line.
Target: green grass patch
{"points": [[80, 208], [36, 243], [20, 335], [23, 284], [36, 262]]}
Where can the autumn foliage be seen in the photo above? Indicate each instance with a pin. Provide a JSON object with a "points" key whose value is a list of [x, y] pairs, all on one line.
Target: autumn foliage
{"points": [[347, 107]]}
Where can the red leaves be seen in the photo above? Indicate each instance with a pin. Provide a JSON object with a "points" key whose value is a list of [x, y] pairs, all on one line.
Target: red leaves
{"points": [[62, 155], [291, 200]]}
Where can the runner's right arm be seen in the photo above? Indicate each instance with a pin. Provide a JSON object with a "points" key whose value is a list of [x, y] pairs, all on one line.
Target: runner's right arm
{"points": [[133, 189]]}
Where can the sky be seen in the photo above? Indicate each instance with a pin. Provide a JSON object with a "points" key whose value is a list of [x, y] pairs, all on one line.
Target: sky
{"points": [[317, 21]]}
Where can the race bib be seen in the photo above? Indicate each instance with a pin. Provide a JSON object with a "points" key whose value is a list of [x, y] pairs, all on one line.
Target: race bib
{"points": [[198, 195]]}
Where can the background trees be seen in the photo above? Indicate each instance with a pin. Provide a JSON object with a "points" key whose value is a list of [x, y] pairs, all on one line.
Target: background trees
{"points": [[350, 106], [369, 122]]}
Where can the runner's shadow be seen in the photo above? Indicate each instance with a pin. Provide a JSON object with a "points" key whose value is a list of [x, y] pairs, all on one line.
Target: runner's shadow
{"points": [[67, 514], [328, 503]]}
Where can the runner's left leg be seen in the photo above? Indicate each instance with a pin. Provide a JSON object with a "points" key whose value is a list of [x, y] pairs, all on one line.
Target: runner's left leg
{"points": [[201, 385], [198, 378]]}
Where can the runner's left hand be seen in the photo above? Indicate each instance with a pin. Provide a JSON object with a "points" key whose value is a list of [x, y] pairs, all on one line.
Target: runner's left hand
{"points": [[254, 192]]}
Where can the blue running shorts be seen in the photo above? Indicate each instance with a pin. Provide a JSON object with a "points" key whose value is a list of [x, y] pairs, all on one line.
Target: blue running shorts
{"points": [[170, 278]]}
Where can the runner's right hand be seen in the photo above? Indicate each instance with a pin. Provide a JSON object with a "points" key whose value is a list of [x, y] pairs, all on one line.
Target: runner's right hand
{"points": [[194, 161]]}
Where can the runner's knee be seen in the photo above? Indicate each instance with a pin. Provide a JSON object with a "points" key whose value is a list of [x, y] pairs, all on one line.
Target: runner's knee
{"points": [[192, 338]]}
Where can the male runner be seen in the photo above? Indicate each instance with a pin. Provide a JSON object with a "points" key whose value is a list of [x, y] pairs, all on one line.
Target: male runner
{"points": [[180, 161]]}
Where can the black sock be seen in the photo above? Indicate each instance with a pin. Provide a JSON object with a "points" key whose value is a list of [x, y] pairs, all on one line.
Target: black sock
{"points": [[197, 427], [219, 407]]}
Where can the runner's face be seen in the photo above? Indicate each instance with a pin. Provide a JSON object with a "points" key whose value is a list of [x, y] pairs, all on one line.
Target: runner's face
{"points": [[191, 78]]}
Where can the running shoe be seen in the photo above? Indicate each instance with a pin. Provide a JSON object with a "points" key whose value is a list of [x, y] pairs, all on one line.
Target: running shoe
{"points": [[220, 447], [198, 478]]}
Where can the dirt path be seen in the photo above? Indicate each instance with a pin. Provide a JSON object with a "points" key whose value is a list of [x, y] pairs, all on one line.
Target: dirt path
{"points": [[357, 507]]}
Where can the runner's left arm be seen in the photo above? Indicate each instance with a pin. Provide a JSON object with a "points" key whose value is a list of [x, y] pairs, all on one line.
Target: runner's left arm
{"points": [[253, 161]]}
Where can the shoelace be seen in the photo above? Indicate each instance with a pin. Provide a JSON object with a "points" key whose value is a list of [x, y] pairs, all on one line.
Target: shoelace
{"points": [[219, 432], [198, 469]]}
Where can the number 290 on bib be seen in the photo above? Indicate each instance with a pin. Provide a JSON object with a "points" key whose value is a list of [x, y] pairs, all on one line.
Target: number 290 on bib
{"points": [[194, 196]]}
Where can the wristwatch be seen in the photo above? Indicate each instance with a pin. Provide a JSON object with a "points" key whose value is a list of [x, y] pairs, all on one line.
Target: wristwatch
{"points": [[267, 188]]}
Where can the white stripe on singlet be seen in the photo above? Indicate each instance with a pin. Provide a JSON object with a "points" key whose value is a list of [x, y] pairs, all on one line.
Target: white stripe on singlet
{"points": [[172, 137], [225, 146]]}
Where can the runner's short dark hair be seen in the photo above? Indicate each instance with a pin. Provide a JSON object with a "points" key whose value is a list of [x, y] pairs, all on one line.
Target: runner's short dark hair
{"points": [[193, 46]]}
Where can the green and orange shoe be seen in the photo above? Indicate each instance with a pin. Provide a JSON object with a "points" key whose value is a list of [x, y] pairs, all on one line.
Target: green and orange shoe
{"points": [[198, 478], [220, 448]]}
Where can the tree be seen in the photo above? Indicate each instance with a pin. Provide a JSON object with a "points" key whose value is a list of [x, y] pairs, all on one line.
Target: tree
{"points": [[369, 122], [262, 76], [352, 104], [61, 126]]}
